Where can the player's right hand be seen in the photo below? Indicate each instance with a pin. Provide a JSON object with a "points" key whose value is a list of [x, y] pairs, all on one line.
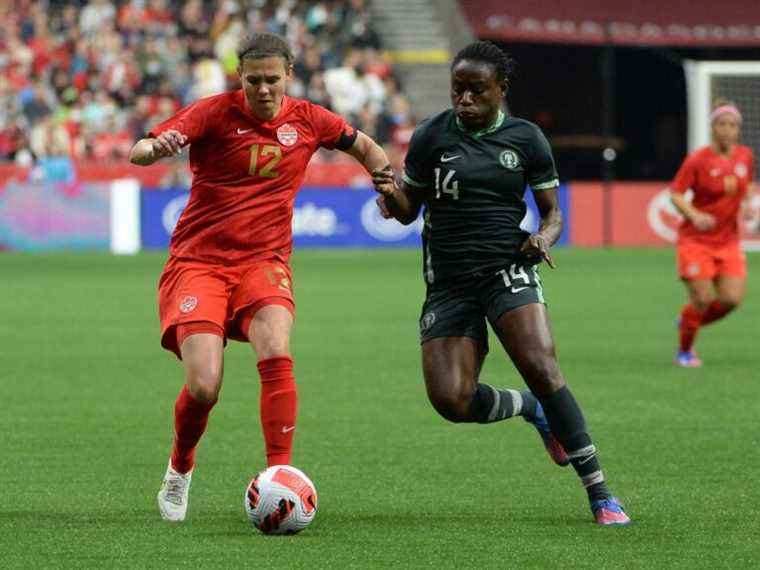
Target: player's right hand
{"points": [[703, 222], [384, 181], [168, 143]]}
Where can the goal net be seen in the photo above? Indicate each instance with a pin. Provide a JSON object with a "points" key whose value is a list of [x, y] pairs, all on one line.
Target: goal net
{"points": [[738, 81]]}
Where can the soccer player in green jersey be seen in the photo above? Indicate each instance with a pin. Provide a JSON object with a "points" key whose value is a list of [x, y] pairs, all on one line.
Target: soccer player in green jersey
{"points": [[469, 167]]}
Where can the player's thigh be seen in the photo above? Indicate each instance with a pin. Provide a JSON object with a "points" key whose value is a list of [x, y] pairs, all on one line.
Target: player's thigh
{"points": [[269, 329], [454, 341], [732, 275], [451, 366], [730, 289], [263, 284], [701, 292], [203, 360], [190, 293], [526, 335]]}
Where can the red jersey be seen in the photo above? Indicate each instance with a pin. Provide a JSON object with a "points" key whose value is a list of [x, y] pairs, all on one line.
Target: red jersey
{"points": [[719, 184], [246, 173]]}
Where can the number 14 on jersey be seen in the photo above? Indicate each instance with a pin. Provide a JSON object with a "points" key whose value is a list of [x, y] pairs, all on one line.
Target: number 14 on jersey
{"points": [[447, 186]]}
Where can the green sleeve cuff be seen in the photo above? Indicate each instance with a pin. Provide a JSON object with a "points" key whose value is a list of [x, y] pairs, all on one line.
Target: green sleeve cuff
{"points": [[546, 185], [412, 181]]}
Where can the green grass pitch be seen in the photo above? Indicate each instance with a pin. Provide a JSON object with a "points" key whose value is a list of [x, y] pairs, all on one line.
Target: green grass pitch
{"points": [[87, 395]]}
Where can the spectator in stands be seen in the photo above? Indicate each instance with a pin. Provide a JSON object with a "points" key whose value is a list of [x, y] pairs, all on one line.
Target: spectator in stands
{"points": [[99, 71]]}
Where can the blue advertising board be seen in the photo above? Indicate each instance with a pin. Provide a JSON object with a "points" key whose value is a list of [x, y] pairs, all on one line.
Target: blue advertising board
{"points": [[322, 217]]}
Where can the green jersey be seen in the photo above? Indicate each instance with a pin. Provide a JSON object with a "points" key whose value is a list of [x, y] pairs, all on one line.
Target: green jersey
{"points": [[474, 186]]}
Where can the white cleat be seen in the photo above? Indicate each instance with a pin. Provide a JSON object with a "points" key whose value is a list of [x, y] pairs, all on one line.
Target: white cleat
{"points": [[172, 498]]}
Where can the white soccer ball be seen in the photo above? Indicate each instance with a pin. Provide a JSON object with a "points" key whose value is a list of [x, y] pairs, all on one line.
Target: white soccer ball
{"points": [[280, 500]]}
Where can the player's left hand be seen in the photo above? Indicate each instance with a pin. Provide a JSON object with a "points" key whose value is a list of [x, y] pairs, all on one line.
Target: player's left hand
{"points": [[537, 246], [383, 207]]}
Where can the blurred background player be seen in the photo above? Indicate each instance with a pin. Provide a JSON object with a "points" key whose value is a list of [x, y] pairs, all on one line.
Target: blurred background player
{"points": [[227, 275], [711, 262], [469, 165]]}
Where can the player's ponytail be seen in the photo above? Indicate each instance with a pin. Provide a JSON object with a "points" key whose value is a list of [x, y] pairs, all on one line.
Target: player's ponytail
{"points": [[264, 44]]}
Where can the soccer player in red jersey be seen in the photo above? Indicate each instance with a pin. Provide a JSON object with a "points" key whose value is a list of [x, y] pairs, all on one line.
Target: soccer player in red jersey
{"points": [[711, 262], [227, 274]]}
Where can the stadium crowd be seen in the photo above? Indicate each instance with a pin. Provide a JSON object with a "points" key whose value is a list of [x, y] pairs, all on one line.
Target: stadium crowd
{"points": [[83, 80]]}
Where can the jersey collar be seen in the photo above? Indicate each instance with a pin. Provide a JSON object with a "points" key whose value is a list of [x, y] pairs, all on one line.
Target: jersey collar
{"points": [[482, 132]]}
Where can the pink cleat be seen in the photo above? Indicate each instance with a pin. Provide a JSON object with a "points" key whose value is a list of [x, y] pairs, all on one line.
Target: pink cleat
{"points": [[687, 359], [609, 512]]}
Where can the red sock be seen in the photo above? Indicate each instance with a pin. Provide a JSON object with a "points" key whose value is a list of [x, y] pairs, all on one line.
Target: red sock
{"points": [[690, 321], [716, 310], [190, 419], [279, 402]]}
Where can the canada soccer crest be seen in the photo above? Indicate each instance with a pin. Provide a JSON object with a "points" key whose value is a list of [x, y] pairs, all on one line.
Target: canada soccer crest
{"points": [[287, 135], [188, 304]]}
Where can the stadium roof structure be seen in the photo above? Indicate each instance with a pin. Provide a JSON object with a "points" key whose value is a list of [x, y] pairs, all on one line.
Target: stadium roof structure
{"points": [[667, 23]]}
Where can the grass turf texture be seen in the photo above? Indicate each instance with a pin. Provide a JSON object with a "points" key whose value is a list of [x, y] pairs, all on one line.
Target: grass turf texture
{"points": [[87, 398]]}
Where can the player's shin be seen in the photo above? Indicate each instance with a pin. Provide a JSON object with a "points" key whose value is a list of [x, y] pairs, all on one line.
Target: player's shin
{"points": [[690, 320], [190, 419], [569, 427], [279, 402], [492, 405]]}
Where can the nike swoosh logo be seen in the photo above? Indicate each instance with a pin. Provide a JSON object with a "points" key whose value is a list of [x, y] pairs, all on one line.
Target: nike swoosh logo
{"points": [[518, 289], [587, 459], [243, 131], [287, 429], [445, 158]]}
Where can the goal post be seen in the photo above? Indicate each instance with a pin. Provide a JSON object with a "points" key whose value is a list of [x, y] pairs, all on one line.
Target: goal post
{"points": [[735, 80]]}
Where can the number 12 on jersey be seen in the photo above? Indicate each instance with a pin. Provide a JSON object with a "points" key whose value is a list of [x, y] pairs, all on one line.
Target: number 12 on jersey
{"points": [[266, 171], [447, 186]]}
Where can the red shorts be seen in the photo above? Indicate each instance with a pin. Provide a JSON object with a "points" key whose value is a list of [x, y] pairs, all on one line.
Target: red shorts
{"points": [[698, 262], [227, 297]]}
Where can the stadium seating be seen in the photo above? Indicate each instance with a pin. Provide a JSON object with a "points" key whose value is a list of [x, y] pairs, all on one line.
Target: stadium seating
{"points": [[84, 81]]}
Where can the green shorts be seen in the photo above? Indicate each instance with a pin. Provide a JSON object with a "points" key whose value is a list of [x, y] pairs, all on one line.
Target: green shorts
{"points": [[461, 309]]}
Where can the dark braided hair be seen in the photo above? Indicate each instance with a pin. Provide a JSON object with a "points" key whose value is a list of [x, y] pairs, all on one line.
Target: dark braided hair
{"points": [[263, 44], [488, 52]]}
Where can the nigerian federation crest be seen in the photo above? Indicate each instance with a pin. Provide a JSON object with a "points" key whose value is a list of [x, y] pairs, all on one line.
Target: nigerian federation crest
{"points": [[509, 159]]}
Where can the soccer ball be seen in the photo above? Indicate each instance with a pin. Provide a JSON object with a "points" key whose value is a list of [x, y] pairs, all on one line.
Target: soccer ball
{"points": [[280, 500]]}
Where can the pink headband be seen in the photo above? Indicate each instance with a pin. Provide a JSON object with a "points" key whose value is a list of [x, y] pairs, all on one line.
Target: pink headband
{"points": [[723, 109]]}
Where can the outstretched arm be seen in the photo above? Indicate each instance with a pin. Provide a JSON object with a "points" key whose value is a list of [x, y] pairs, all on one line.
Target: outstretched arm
{"points": [[147, 151], [538, 244], [401, 203]]}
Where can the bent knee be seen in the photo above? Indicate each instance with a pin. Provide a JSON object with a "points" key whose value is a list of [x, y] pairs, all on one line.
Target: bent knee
{"points": [[543, 376], [452, 406], [731, 301], [272, 347], [204, 386]]}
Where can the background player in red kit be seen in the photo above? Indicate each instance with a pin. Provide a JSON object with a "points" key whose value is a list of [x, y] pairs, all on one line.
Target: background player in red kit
{"points": [[227, 275], [711, 262]]}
